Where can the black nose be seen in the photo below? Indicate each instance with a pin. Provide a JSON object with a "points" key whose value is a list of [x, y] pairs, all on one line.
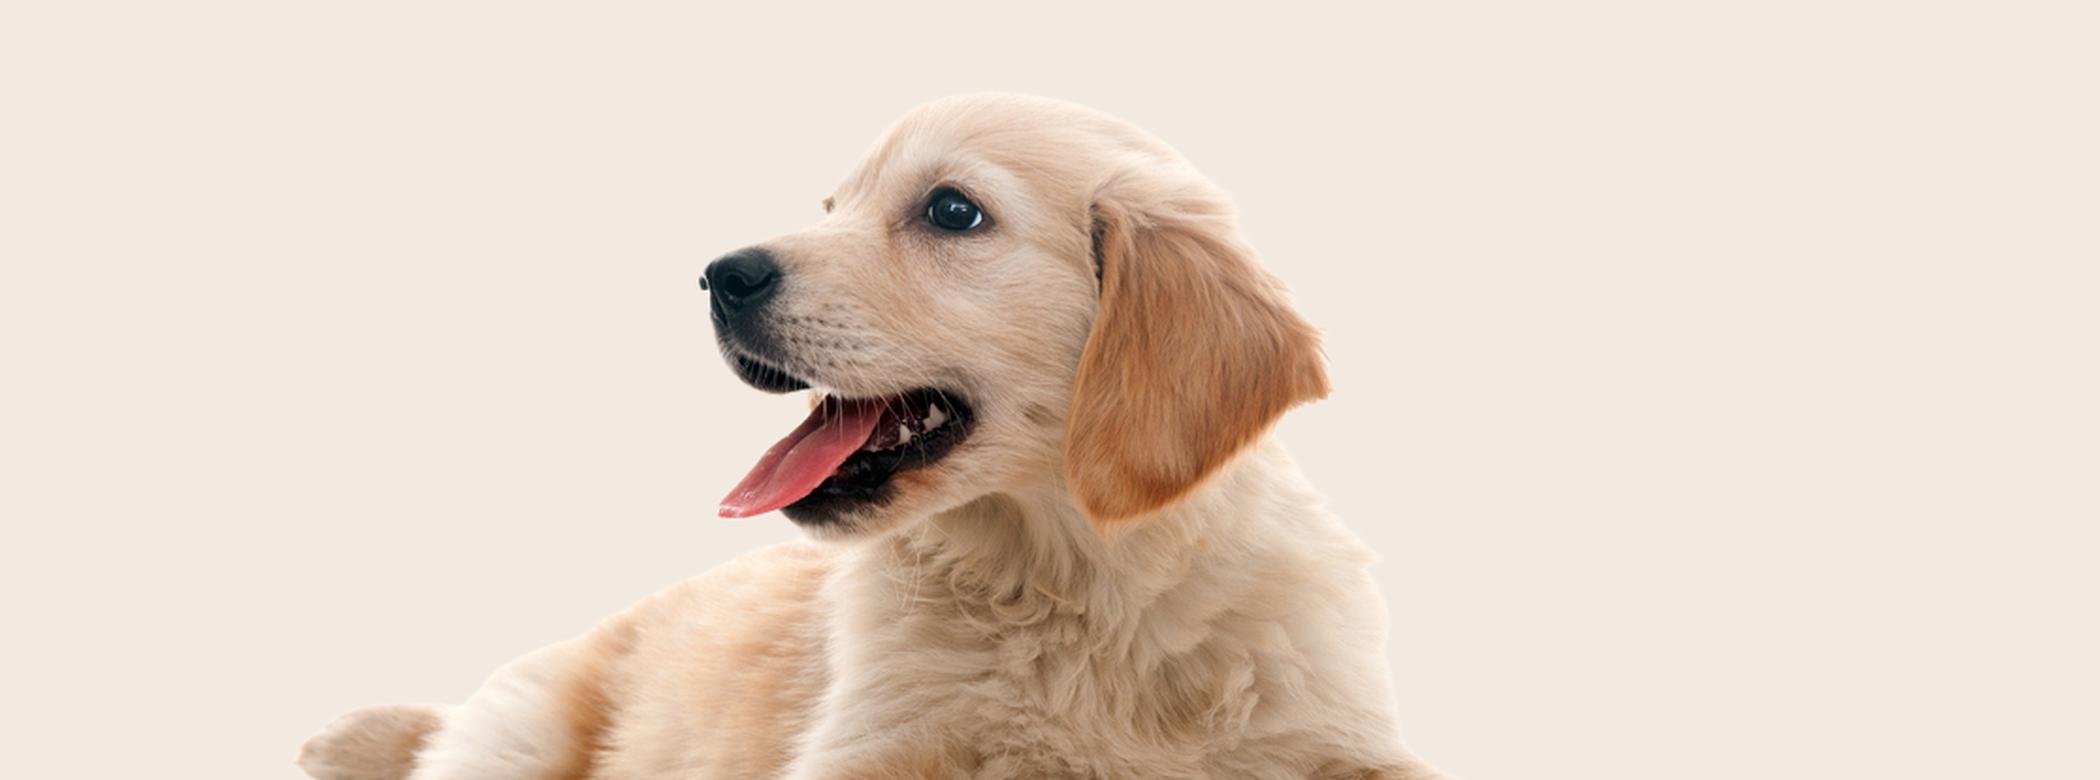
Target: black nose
{"points": [[741, 281]]}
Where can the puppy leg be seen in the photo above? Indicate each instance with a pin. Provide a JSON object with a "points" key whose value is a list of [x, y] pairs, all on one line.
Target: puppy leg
{"points": [[521, 724], [372, 743], [516, 726]]}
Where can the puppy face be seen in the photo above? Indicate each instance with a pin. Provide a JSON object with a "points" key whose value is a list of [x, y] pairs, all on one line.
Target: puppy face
{"points": [[1008, 291]]}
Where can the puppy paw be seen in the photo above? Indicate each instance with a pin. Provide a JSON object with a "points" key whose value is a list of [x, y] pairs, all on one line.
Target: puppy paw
{"points": [[372, 743]]}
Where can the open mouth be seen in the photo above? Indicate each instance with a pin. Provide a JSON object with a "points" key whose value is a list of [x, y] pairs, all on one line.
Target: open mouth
{"points": [[845, 453]]}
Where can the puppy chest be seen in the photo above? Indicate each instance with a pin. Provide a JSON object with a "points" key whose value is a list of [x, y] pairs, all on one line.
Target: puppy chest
{"points": [[1063, 708]]}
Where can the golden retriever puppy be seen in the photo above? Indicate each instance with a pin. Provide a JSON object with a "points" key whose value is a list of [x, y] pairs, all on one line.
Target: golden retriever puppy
{"points": [[1052, 535]]}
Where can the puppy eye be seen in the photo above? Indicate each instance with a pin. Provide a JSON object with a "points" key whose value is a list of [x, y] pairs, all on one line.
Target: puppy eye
{"points": [[949, 210]]}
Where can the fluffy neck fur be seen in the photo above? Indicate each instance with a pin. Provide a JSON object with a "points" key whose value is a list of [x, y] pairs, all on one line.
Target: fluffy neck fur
{"points": [[1140, 589], [1239, 619]]}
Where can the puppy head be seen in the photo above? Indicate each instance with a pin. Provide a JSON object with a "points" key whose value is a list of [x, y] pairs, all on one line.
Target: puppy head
{"points": [[1009, 291]]}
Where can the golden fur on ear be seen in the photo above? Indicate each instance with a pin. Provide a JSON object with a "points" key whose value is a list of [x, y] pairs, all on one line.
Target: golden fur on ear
{"points": [[1195, 350]]}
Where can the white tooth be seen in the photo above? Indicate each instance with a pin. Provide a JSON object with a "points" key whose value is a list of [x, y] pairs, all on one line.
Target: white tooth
{"points": [[935, 417], [903, 433]]}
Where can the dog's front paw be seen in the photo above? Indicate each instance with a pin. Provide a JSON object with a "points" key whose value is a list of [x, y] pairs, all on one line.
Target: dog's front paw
{"points": [[371, 743]]}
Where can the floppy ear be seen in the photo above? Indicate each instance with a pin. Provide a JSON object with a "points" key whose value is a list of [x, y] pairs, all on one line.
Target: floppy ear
{"points": [[1195, 350]]}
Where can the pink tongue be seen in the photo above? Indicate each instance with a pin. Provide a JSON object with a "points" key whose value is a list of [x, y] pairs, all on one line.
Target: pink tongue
{"points": [[802, 460]]}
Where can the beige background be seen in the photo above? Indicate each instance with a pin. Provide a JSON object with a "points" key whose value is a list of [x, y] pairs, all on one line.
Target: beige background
{"points": [[1719, 385]]}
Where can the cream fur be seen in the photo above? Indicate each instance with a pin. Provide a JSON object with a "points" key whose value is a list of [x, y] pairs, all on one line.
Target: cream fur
{"points": [[1021, 609]]}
